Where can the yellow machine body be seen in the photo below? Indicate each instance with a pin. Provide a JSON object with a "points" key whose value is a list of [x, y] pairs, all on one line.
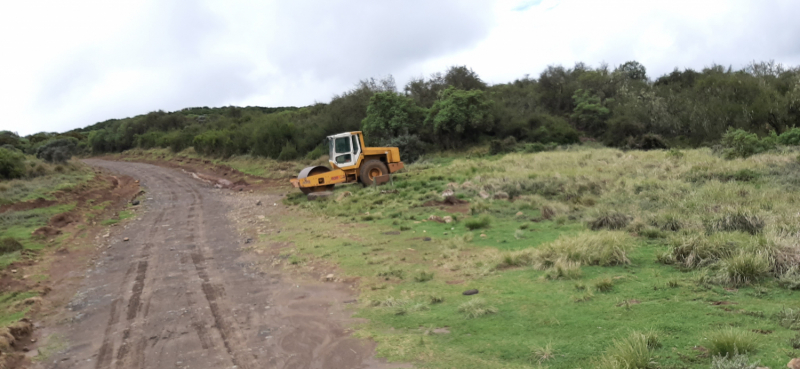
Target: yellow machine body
{"points": [[351, 161]]}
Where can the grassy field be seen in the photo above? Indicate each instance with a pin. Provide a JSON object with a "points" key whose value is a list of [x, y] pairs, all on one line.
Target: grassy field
{"points": [[584, 258]]}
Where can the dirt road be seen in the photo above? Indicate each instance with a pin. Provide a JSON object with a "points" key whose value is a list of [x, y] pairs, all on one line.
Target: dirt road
{"points": [[181, 294]]}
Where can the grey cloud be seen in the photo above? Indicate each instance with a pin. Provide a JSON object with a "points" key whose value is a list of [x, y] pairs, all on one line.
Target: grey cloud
{"points": [[352, 40]]}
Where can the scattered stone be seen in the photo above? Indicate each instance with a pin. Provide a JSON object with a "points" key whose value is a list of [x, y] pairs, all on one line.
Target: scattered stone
{"points": [[426, 239], [483, 194], [241, 189], [350, 301], [249, 240], [794, 364], [343, 195], [329, 277], [470, 292], [436, 218], [13, 270], [441, 331], [447, 219], [500, 195], [318, 195], [261, 217], [483, 235], [135, 202], [519, 214], [448, 193], [126, 239], [258, 203]]}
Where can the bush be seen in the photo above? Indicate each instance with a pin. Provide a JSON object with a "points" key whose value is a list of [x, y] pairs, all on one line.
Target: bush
{"points": [[602, 248], [476, 308], [731, 341], [790, 279], [58, 151], [790, 137], [9, 245], [12, 164], [741, 144], [410, 146]]}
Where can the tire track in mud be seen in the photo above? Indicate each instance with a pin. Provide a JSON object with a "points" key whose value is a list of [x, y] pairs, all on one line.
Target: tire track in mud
{"points": [[182, 294]]}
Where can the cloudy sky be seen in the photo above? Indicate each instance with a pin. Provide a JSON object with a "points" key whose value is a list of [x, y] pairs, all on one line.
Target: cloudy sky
{"points": [[68, 64]]}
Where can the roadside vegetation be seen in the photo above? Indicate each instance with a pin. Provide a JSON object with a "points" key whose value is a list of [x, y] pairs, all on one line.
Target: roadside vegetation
{"points": [[655, 259]]}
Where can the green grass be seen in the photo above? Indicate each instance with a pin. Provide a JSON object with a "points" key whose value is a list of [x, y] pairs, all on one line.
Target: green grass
{"points": [[732, 341], [548, 283], [29, 189]]}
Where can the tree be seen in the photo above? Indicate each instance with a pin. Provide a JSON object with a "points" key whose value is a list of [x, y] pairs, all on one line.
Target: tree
{"points": [[391, 115], [459, 117], [590, 113], [633, 70], [463, 78]]}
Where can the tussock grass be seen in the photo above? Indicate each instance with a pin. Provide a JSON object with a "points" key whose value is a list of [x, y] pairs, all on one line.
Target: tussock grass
{"points": [[610, 220], [564, 269], [476, 308], [602, 248], [631, 352], [731, 341], [604, 285], [739, 220], [733, 362], [423, 276], [788, 318], [481, 222], [695, 251], [541, 354], [744, 268]]}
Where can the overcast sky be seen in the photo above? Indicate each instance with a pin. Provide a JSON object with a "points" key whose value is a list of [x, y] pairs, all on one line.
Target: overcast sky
{"points": [[68, 64]]}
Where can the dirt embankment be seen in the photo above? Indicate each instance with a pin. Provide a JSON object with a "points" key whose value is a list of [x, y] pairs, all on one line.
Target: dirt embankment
{"points": [[51, 273]]}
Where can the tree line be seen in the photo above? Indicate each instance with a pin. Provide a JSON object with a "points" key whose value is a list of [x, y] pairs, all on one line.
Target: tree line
{"points": [[455, 109]]}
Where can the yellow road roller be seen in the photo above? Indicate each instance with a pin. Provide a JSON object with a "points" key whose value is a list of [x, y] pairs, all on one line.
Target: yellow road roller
{"points": [[351, 161]]}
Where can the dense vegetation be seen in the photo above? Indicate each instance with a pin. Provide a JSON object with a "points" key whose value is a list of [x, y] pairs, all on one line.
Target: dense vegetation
{"points": [[622, 107]]}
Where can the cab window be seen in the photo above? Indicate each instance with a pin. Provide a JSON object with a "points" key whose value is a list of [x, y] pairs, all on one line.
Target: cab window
{"points": [[355, 143], [342, 145]]}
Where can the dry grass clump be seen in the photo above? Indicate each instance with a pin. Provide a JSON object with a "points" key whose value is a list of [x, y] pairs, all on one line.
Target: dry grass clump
{"points": [[604, 285], [564, 269], [476, 308], [731, 341], [695, 251], [632, 352], [610, 220], [739, 220], [602, 248], [540, 354], [733, 362]]}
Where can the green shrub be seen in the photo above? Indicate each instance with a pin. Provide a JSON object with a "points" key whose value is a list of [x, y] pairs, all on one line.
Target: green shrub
{"points": [[731, 341], [58, 151], [790, 279], [478, 223], [12, 164], [739, 143], [9, 245], [475, 308], [790, 137], [788, 318]]}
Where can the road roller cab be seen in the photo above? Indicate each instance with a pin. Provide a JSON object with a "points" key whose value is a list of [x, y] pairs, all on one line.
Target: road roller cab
{"points": [[351, 161]]}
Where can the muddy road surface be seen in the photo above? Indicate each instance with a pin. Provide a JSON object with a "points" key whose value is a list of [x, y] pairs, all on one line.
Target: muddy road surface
{"points": [[180, 293]]}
